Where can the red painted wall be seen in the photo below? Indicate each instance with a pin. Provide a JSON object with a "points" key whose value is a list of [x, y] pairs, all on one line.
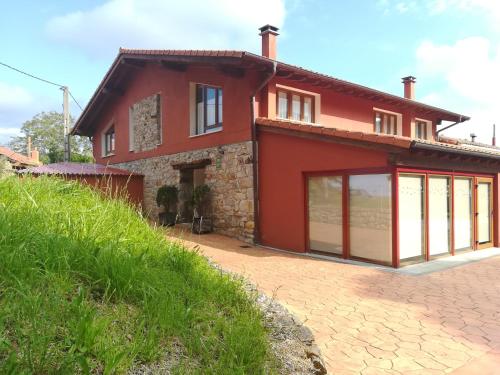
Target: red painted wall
{"points": [[282, 161], [340, 110], [130, 187], [174, 89]]}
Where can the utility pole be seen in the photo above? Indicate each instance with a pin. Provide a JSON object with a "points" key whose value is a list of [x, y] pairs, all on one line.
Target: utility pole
{"points": [[66, 123]]}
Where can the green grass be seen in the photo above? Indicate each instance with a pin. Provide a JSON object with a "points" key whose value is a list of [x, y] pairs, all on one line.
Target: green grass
{"points": [[86, 286]]}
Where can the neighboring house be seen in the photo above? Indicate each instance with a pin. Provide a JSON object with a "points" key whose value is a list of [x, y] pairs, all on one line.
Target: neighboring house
{"points": [[20, 161], [296, 159]]}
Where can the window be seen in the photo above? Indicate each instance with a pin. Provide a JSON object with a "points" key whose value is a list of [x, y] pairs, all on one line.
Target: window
{"points": [[109, 141], [295, 106], [208, 109], [421, 129], [386, 123], [370, 217]]}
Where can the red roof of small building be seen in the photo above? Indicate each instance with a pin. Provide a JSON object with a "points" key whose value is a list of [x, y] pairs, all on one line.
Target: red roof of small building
{"points": [[17, 157], [81, 169]]}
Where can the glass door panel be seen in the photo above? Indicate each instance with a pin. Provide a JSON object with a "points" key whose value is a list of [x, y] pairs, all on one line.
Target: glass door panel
{"points": [[325, 213], [439, 215], [484, 212], [462, 203], [411, 214], [370, 217]]}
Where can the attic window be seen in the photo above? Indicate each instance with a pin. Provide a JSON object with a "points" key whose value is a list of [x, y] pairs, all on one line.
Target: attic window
{"points": [[295, 106]]}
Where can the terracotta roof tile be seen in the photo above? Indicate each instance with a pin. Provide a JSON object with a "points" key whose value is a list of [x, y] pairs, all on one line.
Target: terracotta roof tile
{"points": [[82, 169], [16, 157]]}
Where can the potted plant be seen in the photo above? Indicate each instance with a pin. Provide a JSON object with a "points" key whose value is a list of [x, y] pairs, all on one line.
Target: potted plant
{"points": [[167, 196], [202, 222]]}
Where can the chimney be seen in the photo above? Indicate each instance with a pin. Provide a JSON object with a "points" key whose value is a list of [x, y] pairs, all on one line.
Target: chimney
{"points": [[35, 155], [409, 83], [269, 34], [473, 137], [494, 140], [28, 146]]}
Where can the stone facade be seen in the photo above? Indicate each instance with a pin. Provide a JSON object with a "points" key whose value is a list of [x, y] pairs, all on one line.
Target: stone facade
{"points": [[146, 123], [229, 176]]}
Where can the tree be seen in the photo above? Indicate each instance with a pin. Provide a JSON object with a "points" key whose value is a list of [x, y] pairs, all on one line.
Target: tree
{"points": [[46, 130]]}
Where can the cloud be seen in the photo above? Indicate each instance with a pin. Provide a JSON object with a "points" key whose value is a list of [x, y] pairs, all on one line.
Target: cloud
{"points": [[186, 24], [468, 70], [13, 97]]}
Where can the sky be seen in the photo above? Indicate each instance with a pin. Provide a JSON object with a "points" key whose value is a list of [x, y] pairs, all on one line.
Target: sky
{"points": [[451, 46]]}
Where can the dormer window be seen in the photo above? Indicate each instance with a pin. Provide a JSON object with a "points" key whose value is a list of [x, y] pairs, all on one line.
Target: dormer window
{"points": [[295, 106]]}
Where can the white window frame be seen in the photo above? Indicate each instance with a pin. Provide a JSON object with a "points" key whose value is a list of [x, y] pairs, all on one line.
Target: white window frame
{"points": [[399, 120], [103, 140], [428, 128], [316, 104]]}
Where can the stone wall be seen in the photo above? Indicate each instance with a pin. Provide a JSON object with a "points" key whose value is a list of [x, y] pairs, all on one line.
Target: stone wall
{"points": [[229, 175], [146, 120]]}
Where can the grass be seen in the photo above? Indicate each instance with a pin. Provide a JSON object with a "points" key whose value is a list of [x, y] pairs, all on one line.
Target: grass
{"points": [[86, 286]]}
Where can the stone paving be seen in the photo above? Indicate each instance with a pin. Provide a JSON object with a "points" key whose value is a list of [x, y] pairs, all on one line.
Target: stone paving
{"points": [[370, 321]]}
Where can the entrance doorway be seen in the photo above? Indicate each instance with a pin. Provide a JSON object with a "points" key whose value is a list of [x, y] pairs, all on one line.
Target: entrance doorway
{"points": [[189, 179]]}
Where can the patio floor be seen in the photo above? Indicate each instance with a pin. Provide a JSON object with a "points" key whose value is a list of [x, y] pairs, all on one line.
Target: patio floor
{"points": [[368, 320]]}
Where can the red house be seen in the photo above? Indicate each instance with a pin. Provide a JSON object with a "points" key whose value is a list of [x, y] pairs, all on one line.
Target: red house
{"points": [[296, 159]]}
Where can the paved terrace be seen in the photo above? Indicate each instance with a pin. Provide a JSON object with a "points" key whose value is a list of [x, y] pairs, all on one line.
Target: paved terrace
{"points": [[368, 320]]}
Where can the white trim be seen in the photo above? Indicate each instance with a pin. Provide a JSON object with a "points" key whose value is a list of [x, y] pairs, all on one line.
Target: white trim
{"points": [[207, 133], [428, 130], [399, 118], [103, 139], [315, 95]]}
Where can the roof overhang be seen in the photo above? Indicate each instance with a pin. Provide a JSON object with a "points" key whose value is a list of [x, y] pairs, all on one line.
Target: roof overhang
{"points": [[129, 61]]}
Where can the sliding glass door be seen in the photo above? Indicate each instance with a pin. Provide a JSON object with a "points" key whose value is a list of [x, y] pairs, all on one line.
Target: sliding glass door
{"points": [[439, 215], [325, 214], [463, 219], [411, 213], [484, 215]]}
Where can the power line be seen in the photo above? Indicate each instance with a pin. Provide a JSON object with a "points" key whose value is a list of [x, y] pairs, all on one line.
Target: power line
{"points": [[43, 80], [30, 75]]}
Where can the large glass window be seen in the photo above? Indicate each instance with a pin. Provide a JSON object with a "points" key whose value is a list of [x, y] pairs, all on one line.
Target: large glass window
{"points": [[411, 214], [484, 210], [370, 217], [208, 109], [282, 104], [325, 214], [421, 129], [439, 215], [462, 203]]}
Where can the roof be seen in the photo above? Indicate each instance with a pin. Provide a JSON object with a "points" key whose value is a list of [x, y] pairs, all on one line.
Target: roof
{"points": [[134, 58], [80, 169], [17, 158], [393, 141]]}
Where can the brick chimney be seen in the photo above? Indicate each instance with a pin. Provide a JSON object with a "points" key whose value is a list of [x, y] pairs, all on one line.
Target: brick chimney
{"points": [[409, 83], [35, 155], [269, 34]]}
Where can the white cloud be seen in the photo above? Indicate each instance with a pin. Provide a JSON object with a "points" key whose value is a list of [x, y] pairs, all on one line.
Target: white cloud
{"points": [[13, 97], [187, 24], [469, 69]]}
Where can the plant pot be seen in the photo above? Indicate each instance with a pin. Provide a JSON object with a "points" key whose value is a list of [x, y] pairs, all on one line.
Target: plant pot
{"points": [[167, 219]]}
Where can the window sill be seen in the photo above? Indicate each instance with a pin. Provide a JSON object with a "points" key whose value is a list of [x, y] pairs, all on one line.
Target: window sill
{"points": [[297, 121], [207, 133], [108, 155]]}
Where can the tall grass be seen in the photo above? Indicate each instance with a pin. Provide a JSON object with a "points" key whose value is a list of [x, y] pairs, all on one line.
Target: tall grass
{"points": [[86, 286]]}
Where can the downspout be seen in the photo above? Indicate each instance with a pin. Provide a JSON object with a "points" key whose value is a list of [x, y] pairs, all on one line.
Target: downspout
{"points": [[255, 156], [451, 125]]}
